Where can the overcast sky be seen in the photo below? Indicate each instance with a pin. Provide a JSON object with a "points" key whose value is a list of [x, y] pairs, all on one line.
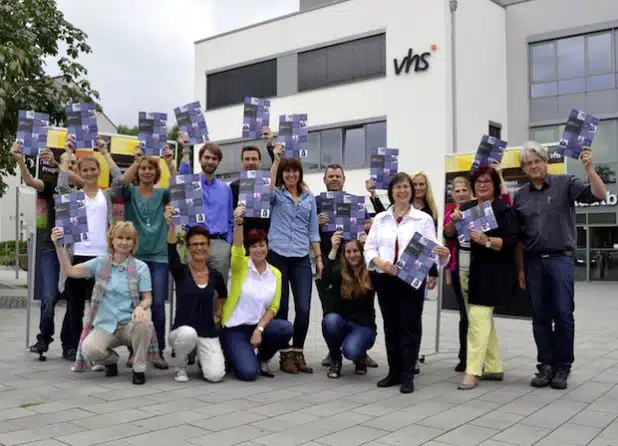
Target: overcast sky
{"points": [[143, 49]]}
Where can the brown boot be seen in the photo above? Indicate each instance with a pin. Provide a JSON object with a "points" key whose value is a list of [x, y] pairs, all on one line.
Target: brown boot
{"points": [[301, 364], [287, 363]]}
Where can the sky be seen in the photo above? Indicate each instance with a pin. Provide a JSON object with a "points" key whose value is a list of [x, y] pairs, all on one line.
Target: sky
{"points": [[142, 57]]}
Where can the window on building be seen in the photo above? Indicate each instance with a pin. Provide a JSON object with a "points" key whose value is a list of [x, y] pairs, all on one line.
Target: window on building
{"points": [[573, 72], [495, 130], [232, 86], [230, 165], [345, 62], [348, 146], [604, 149]]}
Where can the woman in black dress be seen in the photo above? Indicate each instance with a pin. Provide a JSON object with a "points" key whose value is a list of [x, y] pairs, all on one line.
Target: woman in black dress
{"points": [[490, 278]]}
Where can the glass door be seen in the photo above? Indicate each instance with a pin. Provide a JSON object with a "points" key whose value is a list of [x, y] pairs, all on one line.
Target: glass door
{"points": [[581, 254], [603, 255]]}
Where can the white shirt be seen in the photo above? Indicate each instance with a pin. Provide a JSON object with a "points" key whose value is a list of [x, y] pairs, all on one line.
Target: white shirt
{"points": [[256, 295], [384, 231], [96, 212]]}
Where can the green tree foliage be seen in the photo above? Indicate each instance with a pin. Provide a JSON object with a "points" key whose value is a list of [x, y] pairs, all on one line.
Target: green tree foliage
{"points": [[31, 32], [126, 130]]}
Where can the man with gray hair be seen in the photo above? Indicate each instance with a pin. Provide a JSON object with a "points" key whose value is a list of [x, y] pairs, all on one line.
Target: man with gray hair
{"points": [[545, 209]]}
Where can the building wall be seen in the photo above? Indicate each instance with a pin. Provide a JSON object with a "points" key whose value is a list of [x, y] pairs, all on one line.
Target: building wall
{"points": [[304, 5], [415, 105], [481, 71], [529, 19], [27, 204]]}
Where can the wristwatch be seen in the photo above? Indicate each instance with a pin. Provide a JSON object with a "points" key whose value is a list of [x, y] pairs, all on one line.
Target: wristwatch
{"points": [[488, 243], [260, 328]]}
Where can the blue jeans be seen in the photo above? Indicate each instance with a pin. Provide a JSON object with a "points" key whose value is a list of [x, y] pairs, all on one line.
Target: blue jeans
{"points": [[353, 339], [49, 268], [550, 283], [238, 350], [159, 273], [295, 271]]}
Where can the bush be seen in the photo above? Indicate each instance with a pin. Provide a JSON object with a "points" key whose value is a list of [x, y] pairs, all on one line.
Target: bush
{"points": [[7, 260]]}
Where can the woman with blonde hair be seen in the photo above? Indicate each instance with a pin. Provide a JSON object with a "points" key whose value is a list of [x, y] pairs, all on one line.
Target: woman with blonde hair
{"points": [[349, 323], [120, 302]]}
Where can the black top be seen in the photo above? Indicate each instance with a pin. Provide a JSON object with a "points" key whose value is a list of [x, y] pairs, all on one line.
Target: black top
{"points": [[195, 305], [249, 222], [546, 216], [379, 207], [360, 310], [492, 276], [44, 234]]}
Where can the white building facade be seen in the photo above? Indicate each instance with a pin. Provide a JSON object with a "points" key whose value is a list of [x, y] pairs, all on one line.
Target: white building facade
{"points": [[344, 64], [507, 68]]}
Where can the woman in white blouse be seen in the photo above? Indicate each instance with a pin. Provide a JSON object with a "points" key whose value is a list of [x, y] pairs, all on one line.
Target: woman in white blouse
{"points": [[401, 304]]}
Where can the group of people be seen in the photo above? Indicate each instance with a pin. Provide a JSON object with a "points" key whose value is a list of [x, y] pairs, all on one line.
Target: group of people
{"points": [[238, 327]]}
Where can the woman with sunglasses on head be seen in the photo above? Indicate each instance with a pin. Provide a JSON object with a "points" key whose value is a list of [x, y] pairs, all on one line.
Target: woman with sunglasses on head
{"points": [[248, 320], [197, 315], [144, 206], [349, 324], [401, 304], [293, 231], [489, 278]]}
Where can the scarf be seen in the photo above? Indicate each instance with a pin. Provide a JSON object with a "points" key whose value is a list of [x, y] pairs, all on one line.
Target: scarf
{"points": [[102, 280]]}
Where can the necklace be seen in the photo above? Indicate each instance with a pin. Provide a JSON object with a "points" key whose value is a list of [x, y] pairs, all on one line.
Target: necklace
{"points": [[199, 273], [402, 213]]}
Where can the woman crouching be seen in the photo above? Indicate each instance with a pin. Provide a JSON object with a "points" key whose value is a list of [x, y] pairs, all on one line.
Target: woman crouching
{"points": [[349, 324], [120, 301], [248, 319]]}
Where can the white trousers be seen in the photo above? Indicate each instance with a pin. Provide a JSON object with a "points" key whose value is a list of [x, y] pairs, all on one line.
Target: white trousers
{"points": [[184, 340]]}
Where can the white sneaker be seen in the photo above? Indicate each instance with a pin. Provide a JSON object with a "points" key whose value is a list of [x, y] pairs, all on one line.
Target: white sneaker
{"points": [[181, 375], [97, 367]]}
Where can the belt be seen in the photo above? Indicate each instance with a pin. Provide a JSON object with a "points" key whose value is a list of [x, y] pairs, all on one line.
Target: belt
{"points": [[218, 236], [548, 254]]}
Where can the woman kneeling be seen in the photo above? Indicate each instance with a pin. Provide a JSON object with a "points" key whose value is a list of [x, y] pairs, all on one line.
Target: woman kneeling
{"points": [[249, 311], [195, 322], [349, 323], [120, 300]]}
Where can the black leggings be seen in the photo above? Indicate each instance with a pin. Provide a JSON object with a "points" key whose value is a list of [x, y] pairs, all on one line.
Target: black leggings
{"points": [[77, 291], [463, 317]]}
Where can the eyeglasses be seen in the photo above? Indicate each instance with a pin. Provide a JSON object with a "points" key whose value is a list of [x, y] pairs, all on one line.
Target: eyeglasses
{"points": [[198, 245], [484, 181]]}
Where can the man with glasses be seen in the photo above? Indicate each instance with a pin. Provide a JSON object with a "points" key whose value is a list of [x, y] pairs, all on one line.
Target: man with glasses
{"points": [[545, 208], [47, 261]]}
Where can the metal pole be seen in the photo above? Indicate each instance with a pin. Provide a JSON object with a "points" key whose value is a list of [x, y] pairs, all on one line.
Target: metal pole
{"points": [[453, 7], [30, 282], [17, 232], [439, 310]]}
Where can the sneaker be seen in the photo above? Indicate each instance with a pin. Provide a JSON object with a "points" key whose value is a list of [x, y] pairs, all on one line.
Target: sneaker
{"points": [[559, 381], [181, 375], [39, 347], [326, 362], [69, 354], [335, 370], [360, 367], [543, 377], [97, 367]]}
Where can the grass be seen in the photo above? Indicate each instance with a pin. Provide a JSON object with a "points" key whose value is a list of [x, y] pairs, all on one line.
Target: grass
{"points": [[27, 405]]}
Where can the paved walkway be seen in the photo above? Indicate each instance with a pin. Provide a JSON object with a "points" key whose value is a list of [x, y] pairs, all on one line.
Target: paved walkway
{"points": [[42, 403]]}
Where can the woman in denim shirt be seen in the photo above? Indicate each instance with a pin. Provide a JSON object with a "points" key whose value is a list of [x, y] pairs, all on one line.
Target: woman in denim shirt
{"points": [[293, 231]]}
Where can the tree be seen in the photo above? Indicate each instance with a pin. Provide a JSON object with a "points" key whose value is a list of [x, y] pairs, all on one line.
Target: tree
{"points": [[126, 130], [607, 174], [31, 32]]}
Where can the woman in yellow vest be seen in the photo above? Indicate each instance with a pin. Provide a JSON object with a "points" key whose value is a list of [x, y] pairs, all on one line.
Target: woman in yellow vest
{"points": [[248, 318]]}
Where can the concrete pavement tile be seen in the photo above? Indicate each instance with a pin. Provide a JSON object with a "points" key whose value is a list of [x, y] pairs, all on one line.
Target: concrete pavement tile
{"points": [[279, 408], [97, 421], [497, 419], [352, 436], [467, 435], [49, 418], [106, 434], [283, 422], [233, 436], [522, 435], [593, 418], [573, 433], [227, 421], [169, 419], [412, 435]]}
